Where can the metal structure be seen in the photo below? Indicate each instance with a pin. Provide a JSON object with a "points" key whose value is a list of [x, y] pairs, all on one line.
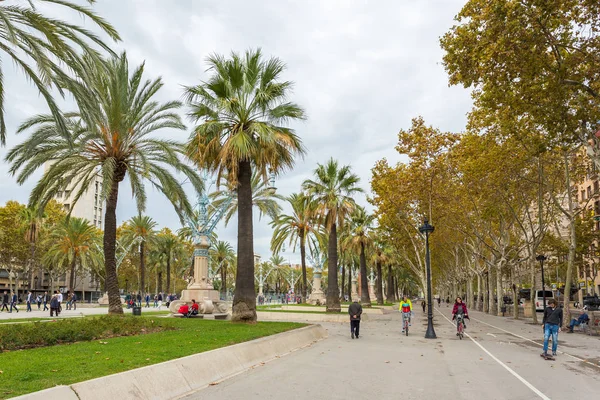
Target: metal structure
{"points": [[427, 229]]}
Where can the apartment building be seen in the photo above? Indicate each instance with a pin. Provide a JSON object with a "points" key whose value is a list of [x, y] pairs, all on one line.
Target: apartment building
{"points": [[588, 196]]}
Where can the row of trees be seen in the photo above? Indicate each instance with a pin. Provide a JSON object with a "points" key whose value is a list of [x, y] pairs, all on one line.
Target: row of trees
{"points": [[504, 191]]}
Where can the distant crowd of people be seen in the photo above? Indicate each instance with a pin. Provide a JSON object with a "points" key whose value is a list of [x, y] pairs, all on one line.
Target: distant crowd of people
{"points": [[284, 298], [55, 301], [137, 299]]}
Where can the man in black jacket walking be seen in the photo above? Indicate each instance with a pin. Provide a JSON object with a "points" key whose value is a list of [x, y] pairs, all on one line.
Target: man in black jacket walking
{"points": [[5, 301], [553, 319], [355, 311]]}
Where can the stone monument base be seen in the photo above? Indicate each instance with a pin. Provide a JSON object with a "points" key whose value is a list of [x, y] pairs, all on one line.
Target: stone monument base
{"points": [[317, 298], [103, 301], [207, 299]]}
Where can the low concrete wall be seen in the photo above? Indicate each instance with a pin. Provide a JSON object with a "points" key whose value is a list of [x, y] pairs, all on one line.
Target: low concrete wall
{"points": [[175, 378], [304, 317]]}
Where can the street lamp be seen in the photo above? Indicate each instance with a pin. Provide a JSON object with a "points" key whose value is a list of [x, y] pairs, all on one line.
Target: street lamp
{"points": [[541, 258], [35, 280], [428, 229]]}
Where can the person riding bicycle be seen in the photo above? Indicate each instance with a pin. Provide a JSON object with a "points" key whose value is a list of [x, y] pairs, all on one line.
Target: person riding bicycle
{"points": [[405, 308], [460, 308]]}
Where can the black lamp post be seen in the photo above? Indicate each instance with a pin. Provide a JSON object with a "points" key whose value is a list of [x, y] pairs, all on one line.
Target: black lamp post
{"points": [[541, 258], [427, 229], [126, 285]]}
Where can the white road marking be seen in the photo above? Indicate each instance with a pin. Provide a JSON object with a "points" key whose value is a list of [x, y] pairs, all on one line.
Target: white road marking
{"points": [[491, 334], [512, 372], [539, 344]]}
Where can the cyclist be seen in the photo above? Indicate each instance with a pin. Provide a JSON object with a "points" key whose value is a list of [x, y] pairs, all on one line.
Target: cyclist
{"points": [[405, 308], [460, 308]]}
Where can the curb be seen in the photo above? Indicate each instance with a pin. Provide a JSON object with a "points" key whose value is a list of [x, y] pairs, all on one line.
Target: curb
{"points": [[182, 376], [305, 317]]}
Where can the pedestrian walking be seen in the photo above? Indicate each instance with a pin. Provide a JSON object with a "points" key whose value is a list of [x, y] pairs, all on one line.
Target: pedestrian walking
{"points": [[5, 301], [553, 319], [13, 302], [28, 301], [139, 299], [355, 311], [74, 301], [59, 296], [155, 300], [54, 305], [439, 299], [45, 301], [147, 300], [38, 300], [160, 298], [423, 304]]}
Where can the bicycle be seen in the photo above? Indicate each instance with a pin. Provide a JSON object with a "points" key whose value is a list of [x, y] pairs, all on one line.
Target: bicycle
{"points": [[460, 326], [405, 319]]}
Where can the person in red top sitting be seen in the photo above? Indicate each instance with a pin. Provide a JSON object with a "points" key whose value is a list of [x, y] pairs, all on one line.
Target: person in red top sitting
{"points": [[194, 307], [184, 309]]}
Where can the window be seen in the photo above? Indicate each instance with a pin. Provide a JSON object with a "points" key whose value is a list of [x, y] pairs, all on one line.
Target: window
{"points": [[596, 187], [66, 207], [589, 191], [582, 195]]}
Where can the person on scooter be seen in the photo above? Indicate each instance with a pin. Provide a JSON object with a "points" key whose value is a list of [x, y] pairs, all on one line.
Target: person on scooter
{"points": [[460, 308]]}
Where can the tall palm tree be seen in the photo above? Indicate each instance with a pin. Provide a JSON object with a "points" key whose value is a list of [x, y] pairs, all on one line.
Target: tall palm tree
{"points": [[380, 257], [296, 227], [140, 229], [38, 44], [33, 221], [242, 110], [361, 224], [333, 188], [222, 256], [167, 245], [72, 242], [263, 198], [109, 136]]}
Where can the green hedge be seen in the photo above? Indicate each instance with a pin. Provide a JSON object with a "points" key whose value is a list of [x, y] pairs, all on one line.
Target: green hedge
{"points": [[41, 334]]}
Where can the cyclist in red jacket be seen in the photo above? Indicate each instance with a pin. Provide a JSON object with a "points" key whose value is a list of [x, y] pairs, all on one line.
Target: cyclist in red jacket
{"points": [[460, 308]]}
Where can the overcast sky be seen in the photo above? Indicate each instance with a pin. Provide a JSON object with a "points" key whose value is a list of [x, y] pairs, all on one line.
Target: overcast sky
{"points": [[362, 70]]}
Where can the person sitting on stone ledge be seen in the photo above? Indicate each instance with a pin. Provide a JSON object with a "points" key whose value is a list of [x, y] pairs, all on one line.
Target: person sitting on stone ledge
{"points": [[194, 310], [184, 309]]}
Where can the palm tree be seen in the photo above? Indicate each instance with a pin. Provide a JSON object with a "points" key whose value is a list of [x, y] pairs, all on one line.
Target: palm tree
{"points": [[38, 45], [296, 227], [110, 137], [223, 256], [167, 246], [33, 221], [380, 257], [332, 189], [361, 224], [140, 229], [242, 110], [72, 242], [263, 197]]}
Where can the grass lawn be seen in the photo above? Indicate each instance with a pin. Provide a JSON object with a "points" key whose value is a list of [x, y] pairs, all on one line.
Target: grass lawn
{"points": [[27, 371], [18, 320]]}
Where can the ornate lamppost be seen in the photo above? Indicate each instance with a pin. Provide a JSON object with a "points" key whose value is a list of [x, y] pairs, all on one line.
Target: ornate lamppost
{"points": [[427, 229]]}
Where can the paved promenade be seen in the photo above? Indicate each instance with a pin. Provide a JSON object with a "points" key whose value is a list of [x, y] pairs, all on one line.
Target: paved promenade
{"points": [[499, 359]]}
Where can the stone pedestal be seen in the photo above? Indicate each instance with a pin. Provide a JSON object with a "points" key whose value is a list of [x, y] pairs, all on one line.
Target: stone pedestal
{"points": [[354, 290], [372, 290], [201, 288], [316, 295], [103, 301]]}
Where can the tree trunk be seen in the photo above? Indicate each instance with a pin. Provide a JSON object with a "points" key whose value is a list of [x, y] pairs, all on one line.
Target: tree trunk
{"points": [[486, 298], [478, 298], [142, 267], [388, 293], [168, 272], [491, 291], [244, 299], [499, 293], [303, 262], [343, 281], [333, 291], [350, 277], [396, 289], [365, 299], [572, 247], [379, 284], [72, 276], [110, 242], [159, 282]]}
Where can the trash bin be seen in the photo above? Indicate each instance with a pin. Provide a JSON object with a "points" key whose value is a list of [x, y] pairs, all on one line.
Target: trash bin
{"points": [[137, 310]]}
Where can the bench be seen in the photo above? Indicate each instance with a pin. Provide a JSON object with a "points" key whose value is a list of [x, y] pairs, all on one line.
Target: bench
{"points": [[179, 315]]}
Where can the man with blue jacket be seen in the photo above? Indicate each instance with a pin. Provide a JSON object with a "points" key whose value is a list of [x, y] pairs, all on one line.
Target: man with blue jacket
{"points": [[583, 319]]}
